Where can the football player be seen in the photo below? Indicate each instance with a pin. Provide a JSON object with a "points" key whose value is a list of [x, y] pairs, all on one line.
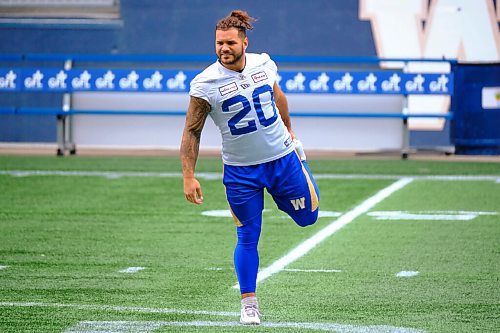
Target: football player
{"points": [[259, 148]]}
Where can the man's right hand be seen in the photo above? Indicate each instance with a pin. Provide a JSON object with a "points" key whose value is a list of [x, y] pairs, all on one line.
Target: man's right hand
{"points": [[192, 191]]}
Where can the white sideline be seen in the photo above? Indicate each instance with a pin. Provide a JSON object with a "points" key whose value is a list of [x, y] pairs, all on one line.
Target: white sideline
{"points": [[329, 230]]}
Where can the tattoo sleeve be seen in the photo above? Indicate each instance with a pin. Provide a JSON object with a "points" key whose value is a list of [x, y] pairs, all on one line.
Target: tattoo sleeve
{"points": [[282, 104], [195, 120]]}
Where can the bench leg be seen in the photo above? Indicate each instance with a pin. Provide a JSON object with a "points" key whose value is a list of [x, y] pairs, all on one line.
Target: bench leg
{"points": [[60, 135], [406, 140]]}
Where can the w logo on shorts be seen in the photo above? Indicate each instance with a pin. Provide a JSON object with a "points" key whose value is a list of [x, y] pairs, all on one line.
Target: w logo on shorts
{"points": [[299, 203]]}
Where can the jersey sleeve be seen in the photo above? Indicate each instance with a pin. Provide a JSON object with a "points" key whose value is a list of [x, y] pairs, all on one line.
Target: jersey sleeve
{"points": [[200, 88], [268, 62]]}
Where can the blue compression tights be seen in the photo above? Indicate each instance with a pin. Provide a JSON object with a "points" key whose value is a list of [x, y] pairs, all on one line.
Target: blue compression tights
{"points": [[246, 257]]}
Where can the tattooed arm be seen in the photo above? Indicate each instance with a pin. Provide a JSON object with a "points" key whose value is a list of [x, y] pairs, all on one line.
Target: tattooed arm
{"points": [[282, 104], [195, 120]]}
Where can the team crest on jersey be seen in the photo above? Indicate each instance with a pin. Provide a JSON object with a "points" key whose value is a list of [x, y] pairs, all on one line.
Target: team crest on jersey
{"points": [[260, 76], [228, 88]]}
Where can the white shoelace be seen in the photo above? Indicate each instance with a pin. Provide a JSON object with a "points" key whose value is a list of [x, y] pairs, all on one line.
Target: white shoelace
{"points": [[251, 307], [252, 310]]}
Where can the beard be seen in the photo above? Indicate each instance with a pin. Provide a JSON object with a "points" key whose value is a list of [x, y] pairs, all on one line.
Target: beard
{"points": [[234, 58]]}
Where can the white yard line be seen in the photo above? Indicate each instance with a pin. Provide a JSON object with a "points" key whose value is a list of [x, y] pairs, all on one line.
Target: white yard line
{"points": [[131, 270], [119, 308], [216, 175], [407, 274], [428, 215], [151, 326], [306, 246], [416, 177], [312, 270]]}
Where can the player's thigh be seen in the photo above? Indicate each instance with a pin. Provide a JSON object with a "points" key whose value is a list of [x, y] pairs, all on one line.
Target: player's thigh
{"points": [[297, 194], [244, 195]]}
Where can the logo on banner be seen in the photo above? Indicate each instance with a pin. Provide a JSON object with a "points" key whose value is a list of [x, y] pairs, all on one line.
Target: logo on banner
{"points": [[153, 82], [34, 81], [301, 82], [368, 84], [320, 83], [415, 85], [344, 84], [439, 85], [297, 83], [392, 84], [129, 82], [82, 81], [105, 81], [8, 81], [59, 81], [177, 82]]}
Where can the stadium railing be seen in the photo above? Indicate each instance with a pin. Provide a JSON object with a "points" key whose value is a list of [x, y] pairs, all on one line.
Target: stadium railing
{"points": [[82, 73]]}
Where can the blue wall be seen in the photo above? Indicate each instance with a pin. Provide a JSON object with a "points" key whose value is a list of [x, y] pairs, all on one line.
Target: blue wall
{"points": [[284, 27]]}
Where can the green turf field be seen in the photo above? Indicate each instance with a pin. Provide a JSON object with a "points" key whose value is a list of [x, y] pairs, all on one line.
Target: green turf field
{"points": [[70, 226]]}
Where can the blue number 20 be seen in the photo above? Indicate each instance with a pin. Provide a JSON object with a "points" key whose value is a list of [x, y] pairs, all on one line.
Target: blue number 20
{"points": [[251, 126]]}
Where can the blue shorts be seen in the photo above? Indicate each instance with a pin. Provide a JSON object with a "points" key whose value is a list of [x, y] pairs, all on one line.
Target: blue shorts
{"points": [[287, 179]]}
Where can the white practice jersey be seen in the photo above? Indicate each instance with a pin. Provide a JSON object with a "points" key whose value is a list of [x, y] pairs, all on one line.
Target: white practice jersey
{"points": [[243, 108]]}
